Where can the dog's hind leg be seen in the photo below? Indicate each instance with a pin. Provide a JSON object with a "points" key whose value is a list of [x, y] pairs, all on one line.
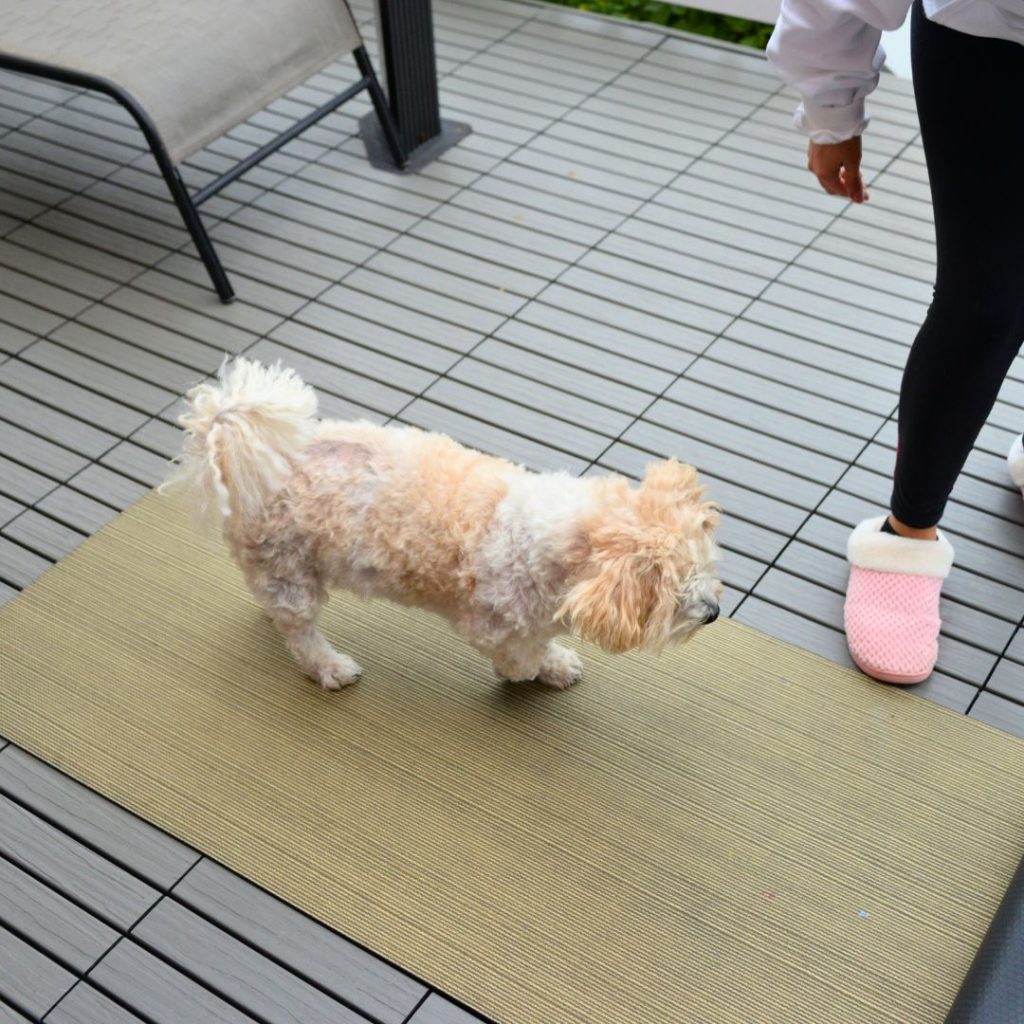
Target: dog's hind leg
{"points": [[293, 606]]}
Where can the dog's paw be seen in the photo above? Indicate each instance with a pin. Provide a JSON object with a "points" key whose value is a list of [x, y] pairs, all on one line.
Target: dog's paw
{"points": [[340, 671], [561, 667]]}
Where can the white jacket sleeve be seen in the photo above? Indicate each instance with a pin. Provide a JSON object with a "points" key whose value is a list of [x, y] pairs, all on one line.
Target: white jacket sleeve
{"points": [[830, 52]]}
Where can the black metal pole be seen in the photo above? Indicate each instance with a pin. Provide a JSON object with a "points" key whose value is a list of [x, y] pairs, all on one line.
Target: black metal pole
{"points": [[405, 29]]}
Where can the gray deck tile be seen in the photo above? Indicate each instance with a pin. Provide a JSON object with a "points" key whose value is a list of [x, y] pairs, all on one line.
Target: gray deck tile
{"points": [[295, 266], [592, 379], [9, 1016], [17, 207], [708, 279], [529, 249], [93, 882], [669, 230], [702, 198], [68, 934], [187, 321], [284, 220], [438, 1010], [96, 270], [76, 510], [537, 197], [408, 319], [369, 362], [545, 155], [273, 291], [538, 221], [855, 293], [83, 814], [638, 364], [157, 991], [239, 972], [70, 281], [381, 190], [739, 374], [853, 352], [336, 380], [340, 323], [1008, 680], [126, 390], [598, 277], [505, 414], [449, 309], [703, 422], [9, 508], [489, 438], [137, 463], [42, 455], [612, 206], [835, 312], [28, 979], [54, 425], [143, 336], [92, 235], [159, 437], [439, 279], [21, 483], [85, 1005], [105, 485], [1000, 713], [26, 316], [833, 253], [431, 248], [300, 943], [179, 294], [42, 534], [340, 234], [362, 221], [743, 469], [14, 339]]}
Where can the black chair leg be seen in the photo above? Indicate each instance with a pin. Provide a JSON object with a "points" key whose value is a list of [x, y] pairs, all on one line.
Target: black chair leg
{"points": [[383, 110], [190, 215]]}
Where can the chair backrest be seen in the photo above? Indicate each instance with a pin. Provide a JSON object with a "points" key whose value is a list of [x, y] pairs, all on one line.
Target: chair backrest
{"points": [[755, 10]]}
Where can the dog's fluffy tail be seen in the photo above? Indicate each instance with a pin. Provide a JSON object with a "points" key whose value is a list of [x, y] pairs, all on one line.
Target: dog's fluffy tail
{"points": [[241, 433]]}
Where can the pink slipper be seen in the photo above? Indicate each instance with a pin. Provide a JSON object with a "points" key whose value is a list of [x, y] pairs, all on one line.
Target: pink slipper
{"points": [[892, 602]]}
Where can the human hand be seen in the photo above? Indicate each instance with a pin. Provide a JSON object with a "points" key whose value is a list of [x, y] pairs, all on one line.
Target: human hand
{"points": [[837, 168]]}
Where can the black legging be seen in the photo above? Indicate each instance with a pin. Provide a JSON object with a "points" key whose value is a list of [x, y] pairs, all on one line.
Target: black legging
{"points": [[970, 101]]}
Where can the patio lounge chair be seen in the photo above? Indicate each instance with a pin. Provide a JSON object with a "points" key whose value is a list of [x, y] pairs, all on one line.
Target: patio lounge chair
{"points": [[190, 70]]}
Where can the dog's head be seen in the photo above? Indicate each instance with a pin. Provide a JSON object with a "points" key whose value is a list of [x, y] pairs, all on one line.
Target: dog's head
{"points": [[643, 568]]}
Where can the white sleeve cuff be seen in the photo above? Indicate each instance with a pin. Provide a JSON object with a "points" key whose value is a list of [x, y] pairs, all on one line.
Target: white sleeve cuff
{"points": [[827, 125]]}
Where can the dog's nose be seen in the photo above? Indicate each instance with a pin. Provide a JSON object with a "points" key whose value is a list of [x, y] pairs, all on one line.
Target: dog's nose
{"points": [[712, 614]]}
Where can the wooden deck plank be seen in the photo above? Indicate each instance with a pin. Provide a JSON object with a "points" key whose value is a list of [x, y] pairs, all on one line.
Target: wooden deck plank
{"points": [[67, 933], [236, 970], [300, 943], [28, 979]]}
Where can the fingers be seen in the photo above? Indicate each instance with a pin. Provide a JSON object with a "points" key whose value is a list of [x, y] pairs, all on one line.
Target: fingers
{"points": [[837, 168]]}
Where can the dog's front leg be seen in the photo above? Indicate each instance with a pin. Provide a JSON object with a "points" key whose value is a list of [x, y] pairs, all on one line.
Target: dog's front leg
{"points": [[549, 663]]}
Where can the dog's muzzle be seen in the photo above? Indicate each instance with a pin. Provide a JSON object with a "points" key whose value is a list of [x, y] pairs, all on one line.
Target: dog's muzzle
{"points": [[712, 614]]}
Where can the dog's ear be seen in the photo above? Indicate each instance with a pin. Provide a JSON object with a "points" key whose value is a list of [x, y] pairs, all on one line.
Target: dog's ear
{"points": [[629, 602]]}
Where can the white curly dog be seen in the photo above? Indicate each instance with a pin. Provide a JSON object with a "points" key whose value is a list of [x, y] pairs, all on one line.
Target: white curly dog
{"points": [[511, 558]]}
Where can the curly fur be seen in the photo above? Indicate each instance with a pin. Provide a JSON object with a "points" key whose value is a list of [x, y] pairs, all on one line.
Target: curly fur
{"points": [[511, 558]]}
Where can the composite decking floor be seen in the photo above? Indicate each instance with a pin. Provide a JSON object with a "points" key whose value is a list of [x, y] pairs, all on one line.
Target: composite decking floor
{"points": [[626, 260]]}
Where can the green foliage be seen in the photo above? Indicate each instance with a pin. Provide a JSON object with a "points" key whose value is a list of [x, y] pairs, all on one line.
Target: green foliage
{"points": [[734, 30]]}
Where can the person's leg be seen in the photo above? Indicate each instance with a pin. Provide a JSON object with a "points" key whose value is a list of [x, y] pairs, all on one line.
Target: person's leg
{"points": [[968, 92]]}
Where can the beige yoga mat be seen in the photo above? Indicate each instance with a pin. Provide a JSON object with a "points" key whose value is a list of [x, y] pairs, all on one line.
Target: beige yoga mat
{"points": [[735, 832]]}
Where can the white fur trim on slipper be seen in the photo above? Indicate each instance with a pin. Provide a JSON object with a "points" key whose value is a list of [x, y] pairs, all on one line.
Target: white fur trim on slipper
{"points": [[869, 548], [1015, 462]]}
